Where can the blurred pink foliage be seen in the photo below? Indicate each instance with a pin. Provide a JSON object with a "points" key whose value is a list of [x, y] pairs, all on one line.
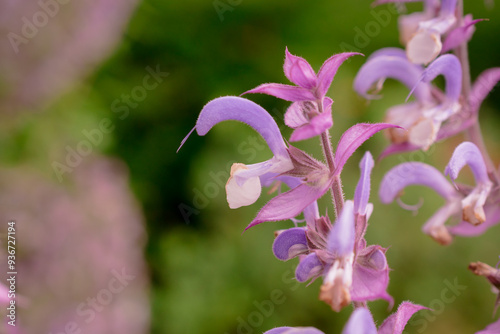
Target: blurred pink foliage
{"points": [[79, 250], [50, 44]]}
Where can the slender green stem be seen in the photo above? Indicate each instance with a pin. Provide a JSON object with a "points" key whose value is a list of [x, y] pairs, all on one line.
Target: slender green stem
{"points": [[336, 188], [473, 132]]}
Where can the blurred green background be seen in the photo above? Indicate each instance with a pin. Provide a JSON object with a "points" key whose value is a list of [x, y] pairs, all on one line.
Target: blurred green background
{"points": [[208, 277]]}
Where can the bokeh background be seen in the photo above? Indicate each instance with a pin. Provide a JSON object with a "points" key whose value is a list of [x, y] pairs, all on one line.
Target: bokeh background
{"points": [[95, 101]]}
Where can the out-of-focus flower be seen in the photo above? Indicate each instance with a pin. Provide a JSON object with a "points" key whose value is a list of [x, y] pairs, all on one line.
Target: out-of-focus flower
{"points": [[311, 111], [472, 203], [424, 117], [49, 45], [421, 32], [361, 322], [79, 250]]}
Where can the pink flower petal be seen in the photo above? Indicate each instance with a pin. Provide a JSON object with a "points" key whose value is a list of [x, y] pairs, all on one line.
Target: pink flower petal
{"points": [[246, 111], [396, 322], [329, 69], [289, 204], [285, 92], [353, 138], [298, 71]]}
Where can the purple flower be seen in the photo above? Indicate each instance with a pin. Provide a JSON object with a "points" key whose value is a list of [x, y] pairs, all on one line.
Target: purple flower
{"points": [[310, 113], [351, 271], [244, 185], [423, 117], [469, 201], [361, 322]]}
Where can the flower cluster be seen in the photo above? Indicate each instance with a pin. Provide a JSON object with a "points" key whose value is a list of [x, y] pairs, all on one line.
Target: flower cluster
{"points": [[351, 270]]}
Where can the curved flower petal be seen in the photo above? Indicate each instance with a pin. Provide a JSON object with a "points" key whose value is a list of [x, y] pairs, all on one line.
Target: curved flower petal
{"points": [[467, 154], [284, 92], [352, 138], [448, 66], [396, 322], [362, 193], [298, 71], [483, 86], [329, 69], [395, 67], [360, 322], [413, 173], [243, 110], [309, 267], [289, 204], [341, 237], [294, 330], [290, 243]]}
